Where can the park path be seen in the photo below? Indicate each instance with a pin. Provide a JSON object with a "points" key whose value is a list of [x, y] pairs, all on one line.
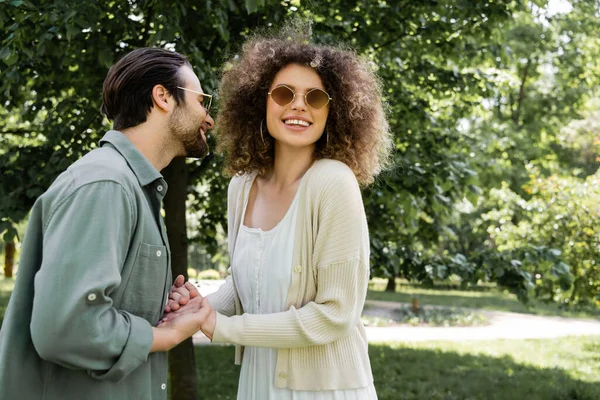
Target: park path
{"points": [[503, 325]]}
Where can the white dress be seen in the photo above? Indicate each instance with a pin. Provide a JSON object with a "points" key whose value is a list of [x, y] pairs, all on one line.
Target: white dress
{"points": [[262, 267]]}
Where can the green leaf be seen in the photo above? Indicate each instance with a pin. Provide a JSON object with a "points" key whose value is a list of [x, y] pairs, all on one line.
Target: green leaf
{"points": [[555, 252], [11, 59], [5, 53], [72, 31], [105, 57], [253, 5], [515, 263], [223, 32], [17, 3], [475, 189], [560, 269]]}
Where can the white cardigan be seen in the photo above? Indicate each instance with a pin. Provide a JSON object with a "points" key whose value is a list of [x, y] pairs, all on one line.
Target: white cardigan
{"points": [[321, 339]]}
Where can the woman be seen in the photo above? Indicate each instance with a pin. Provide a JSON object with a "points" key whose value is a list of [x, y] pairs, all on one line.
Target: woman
{"points": [[301, 126]]}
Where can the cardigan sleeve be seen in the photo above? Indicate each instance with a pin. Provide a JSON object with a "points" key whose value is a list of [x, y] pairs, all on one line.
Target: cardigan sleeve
{"points": [[223, 300], [342, 279]]}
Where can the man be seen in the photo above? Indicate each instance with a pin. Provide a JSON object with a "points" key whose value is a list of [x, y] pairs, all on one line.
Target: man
{"points": [[95, 272]]}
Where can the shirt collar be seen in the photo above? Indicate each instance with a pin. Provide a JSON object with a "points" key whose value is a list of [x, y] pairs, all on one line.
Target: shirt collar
{"points": [[141, 167]]}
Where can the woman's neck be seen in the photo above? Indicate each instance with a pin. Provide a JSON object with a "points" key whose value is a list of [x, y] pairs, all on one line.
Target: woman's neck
{"points": [[290, 165]]}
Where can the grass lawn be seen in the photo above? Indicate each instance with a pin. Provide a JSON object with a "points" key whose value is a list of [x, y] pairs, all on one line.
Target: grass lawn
{"points": [[489, 299], [556, 369]]}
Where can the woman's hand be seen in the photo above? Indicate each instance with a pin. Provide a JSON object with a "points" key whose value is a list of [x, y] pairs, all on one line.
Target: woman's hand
{"points": [[180, 294], [210, 320]]}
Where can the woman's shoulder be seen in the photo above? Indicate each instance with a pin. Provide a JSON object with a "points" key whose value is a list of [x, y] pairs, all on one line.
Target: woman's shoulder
{"points": [[327, 171], [334, 180], [238, 182]]}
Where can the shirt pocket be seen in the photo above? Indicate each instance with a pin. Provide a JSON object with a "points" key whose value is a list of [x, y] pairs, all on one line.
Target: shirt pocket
{"points": [[143, 295]]}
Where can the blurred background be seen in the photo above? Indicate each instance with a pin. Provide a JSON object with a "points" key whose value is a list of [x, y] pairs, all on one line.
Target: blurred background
{"points": [[485, 234]]}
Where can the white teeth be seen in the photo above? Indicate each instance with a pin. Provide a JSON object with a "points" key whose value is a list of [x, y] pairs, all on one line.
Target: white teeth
{"points": [[296, 122]]}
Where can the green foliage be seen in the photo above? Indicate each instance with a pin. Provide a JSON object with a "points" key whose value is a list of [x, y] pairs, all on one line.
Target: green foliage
{"points": [[540, 118], [555, 235]]}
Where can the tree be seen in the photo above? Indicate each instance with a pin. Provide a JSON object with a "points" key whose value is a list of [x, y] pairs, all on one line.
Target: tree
{"points": [[535, 128]]}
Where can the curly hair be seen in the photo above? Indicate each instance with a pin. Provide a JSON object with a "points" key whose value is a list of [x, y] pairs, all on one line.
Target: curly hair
{"points": [[357, 129]]}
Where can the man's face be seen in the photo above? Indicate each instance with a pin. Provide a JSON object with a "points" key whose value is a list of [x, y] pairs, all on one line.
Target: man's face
{"points": [[190, 120]]}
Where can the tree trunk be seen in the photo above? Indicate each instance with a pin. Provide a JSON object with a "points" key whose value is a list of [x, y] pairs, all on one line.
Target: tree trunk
{"points": [[9, 259], [517, 114], [391, 285], [182, 362]]}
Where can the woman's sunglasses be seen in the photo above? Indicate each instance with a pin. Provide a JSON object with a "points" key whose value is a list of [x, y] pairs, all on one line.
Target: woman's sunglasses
{"points": [[315, 98]]}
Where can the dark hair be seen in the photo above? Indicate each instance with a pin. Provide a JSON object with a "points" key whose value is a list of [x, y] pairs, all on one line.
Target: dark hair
{"points": [[357, 128], [127, 89]]}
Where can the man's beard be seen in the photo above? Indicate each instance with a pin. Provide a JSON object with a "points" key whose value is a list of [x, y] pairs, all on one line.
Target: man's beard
{"points": [[189, 135]]}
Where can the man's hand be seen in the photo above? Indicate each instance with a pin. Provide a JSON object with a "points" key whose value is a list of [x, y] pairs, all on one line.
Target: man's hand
{"points": [[169, 334], [200, 307], [180, 294]]}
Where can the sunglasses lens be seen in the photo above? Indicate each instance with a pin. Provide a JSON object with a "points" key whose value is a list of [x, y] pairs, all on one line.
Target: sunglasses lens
{"points": [[282, 95], [317, 98]]}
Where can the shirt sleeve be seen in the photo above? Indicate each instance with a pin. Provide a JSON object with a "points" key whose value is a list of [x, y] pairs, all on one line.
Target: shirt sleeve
{"points": [[74, 324], [342, 282]]}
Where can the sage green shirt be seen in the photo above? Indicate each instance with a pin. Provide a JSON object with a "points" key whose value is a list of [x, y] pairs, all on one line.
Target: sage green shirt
{"points": [[93, 278]]}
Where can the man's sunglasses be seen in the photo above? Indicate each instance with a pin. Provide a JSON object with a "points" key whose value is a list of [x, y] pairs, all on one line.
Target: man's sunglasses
{"points": [[315, 98], [205, 100]]}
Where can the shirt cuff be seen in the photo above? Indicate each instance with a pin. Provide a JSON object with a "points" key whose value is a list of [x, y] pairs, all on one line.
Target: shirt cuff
{"points": [[134, 353]]}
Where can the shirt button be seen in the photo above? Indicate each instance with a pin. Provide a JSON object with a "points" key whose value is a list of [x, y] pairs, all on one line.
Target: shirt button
{"points": [[159, 188], [282, 375], [298, 268], [158, 253], [92, 296], [163, 386]]}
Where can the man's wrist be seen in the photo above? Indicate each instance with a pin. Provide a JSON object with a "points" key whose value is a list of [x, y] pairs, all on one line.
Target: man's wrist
{"points": [[164, 339]]}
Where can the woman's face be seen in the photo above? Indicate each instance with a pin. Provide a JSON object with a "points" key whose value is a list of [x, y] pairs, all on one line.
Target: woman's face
{"points": [[297, 124]]}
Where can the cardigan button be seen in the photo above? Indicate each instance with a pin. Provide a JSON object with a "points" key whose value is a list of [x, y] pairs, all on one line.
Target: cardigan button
{"points": [[282, 375], [298, 268]]}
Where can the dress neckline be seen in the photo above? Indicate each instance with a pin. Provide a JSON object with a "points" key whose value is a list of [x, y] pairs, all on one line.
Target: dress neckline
{"points": [[280, 222]]}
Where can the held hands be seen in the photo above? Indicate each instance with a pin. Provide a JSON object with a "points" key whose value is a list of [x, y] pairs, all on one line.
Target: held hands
{"points": [[197, 312], [181, 292], [187, 311]]}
